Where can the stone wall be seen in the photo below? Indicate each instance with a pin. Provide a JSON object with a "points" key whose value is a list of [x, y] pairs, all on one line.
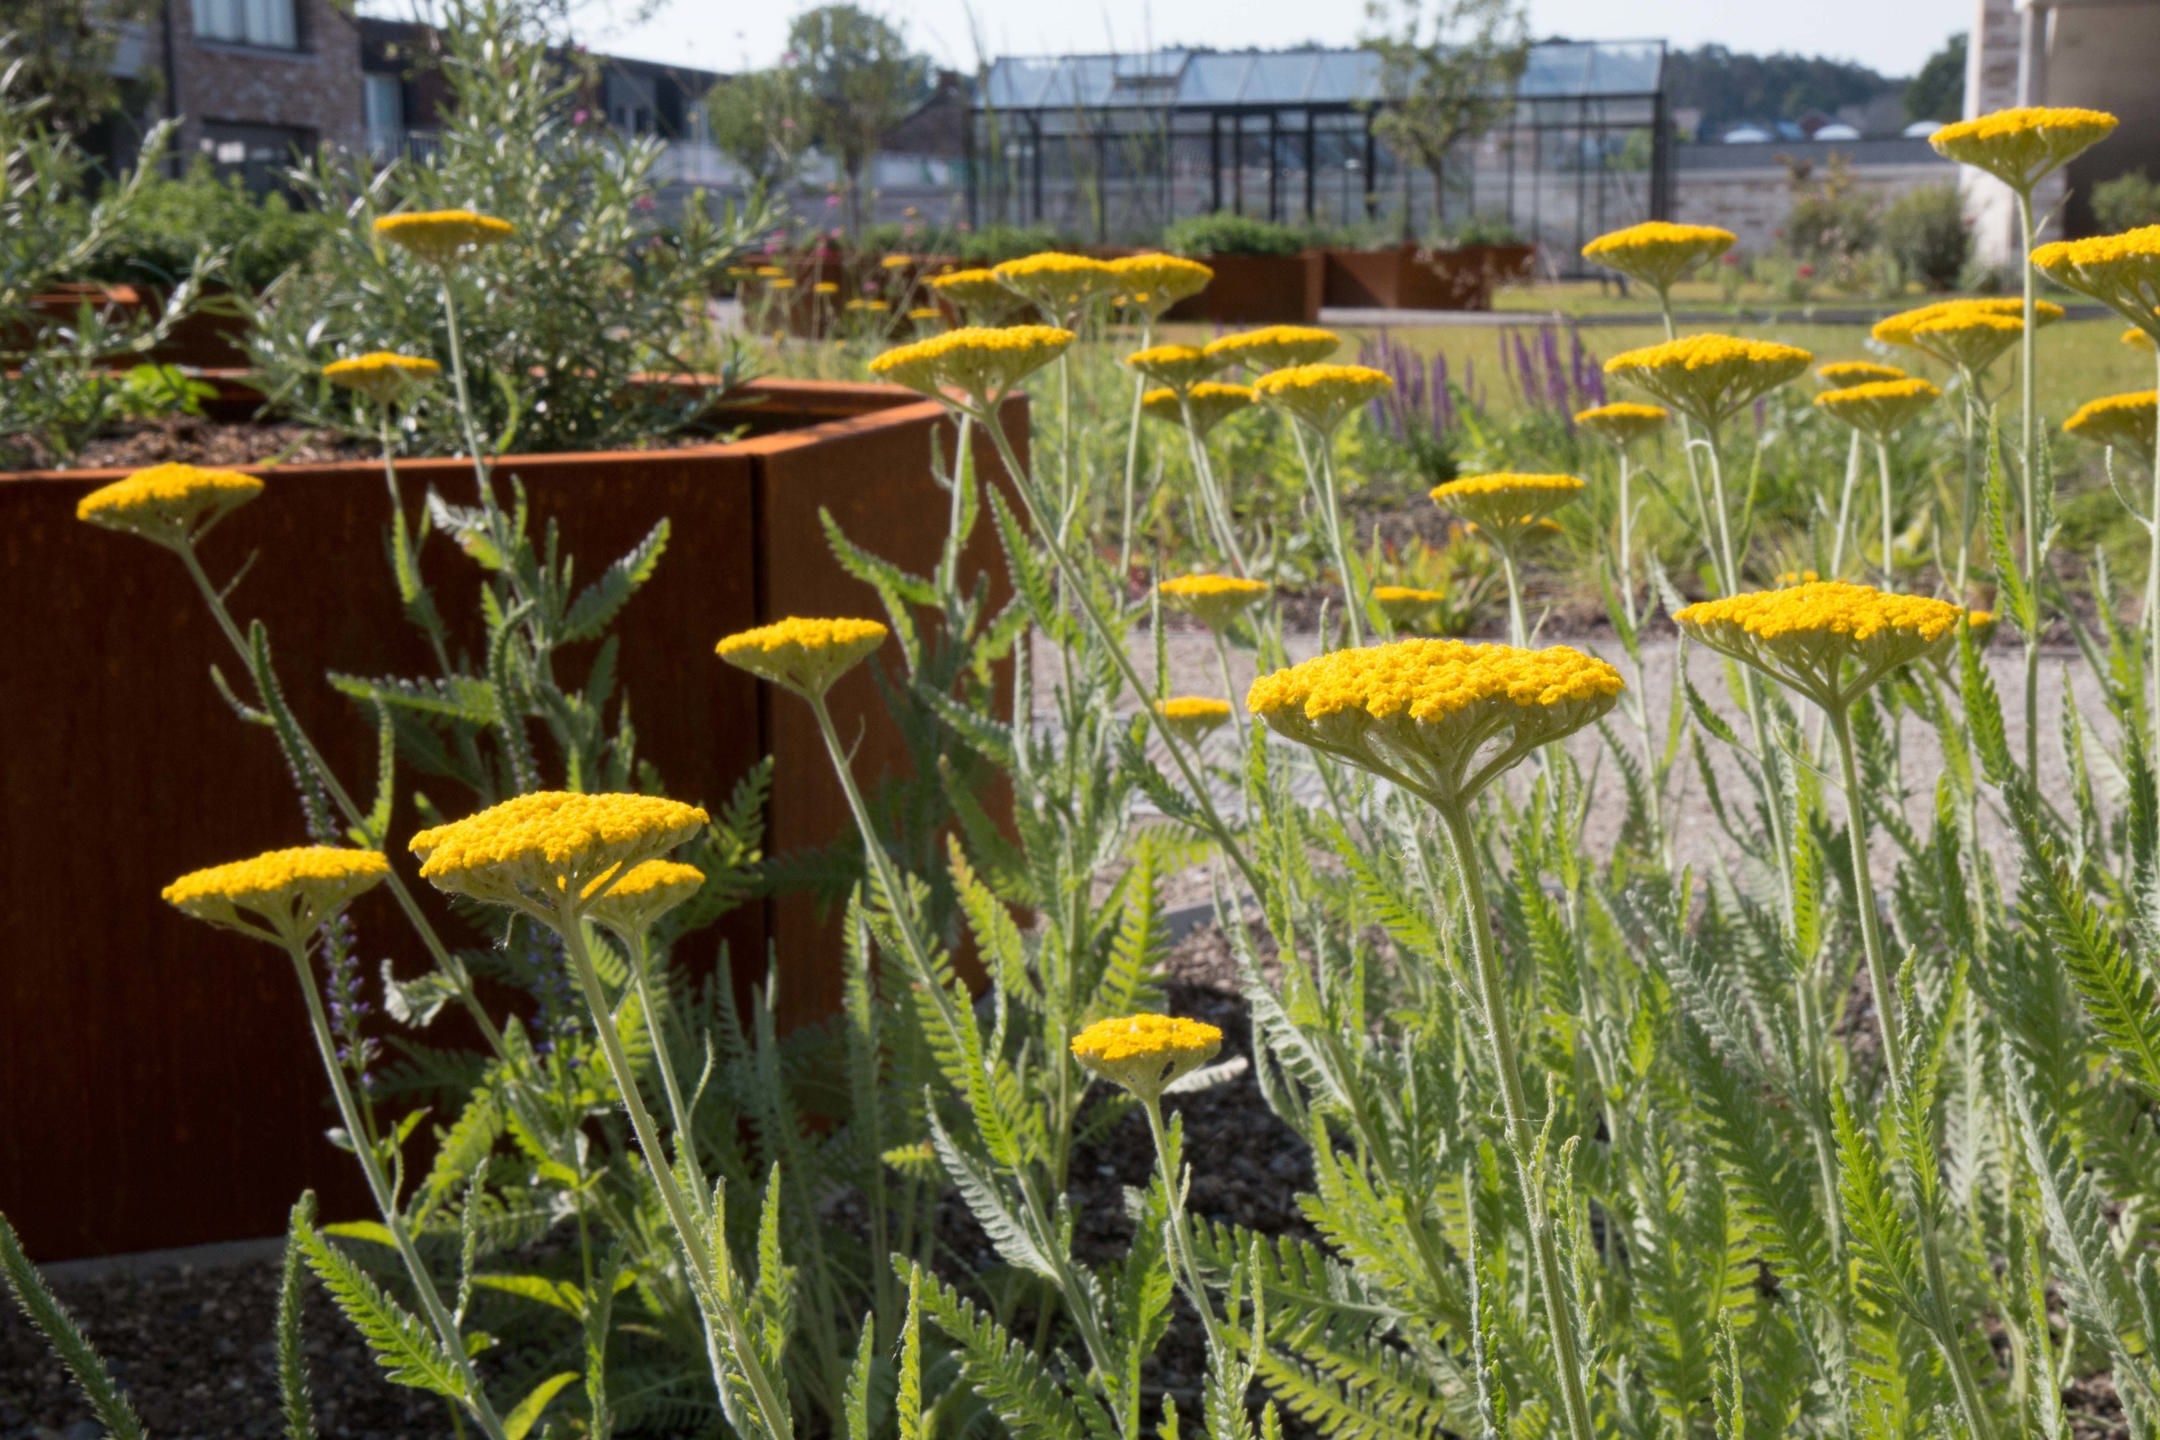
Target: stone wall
{"points": [[1748, 189]]}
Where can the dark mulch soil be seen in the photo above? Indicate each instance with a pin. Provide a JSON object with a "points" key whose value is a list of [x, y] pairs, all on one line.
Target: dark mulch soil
{"points": [[187, 440]]}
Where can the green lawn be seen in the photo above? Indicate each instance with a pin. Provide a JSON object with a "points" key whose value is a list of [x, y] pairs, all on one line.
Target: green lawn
{"points": [[1591, 297]]}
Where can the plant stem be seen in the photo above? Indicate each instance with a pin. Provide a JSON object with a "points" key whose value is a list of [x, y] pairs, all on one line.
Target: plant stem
{"points": [[1889, 542], [1518, 627], [1353, 602], [2029, 435], [1180, 1235], [678, 1110], [1491, 992], [1844, 509], [363, 1143]]}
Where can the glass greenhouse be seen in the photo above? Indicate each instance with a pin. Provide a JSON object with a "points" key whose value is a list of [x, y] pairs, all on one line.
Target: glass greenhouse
{"points": [[1114, 146]]}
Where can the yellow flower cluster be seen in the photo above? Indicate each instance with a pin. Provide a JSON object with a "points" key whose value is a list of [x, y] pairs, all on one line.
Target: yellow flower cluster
{"points": [[863, 306], [978, 294], [1180, 367], [171, 504], [1192, 716], [1879, 407], [1898, 329], [1407, 604], [896, 262], [805, 656], [1829, 640], [631, 904], [2120, 271], [1154, 283], [1840, 373], [1623, 422], [1322, 396], [533, 851], [441, 237], [1275, 347], [1060, 285], [926, 314], [1971, 340], [382, 375], [1208, 402], [979, 362], [2021, 145], [1504, 505], [1440, 717], [1710, 377], [1213, 600], [2125, 422], [1146, 1053], [1658, 252], [292, 892]]}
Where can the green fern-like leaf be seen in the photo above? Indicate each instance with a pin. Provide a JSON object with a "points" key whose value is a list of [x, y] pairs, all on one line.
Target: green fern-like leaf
{"points": [[44, 1311], [404, 1349]]}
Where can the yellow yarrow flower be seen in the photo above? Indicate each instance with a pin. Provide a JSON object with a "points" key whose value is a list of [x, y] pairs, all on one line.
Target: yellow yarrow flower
{"points": [[981, 363], [2125, 422], [1970, 340], [443, 237], [805, 656], [1275, 347], [1657, 252], [1214, 600], [1797, 577], [542, 851], [1192, 716], [1179, 367], [1406, 605], [926, 313], [1061, 286], [1441, 718], [633, 904], [826, 287], [2120, 271], [1623, 422], [1829, 640], [290, 892], [1146, 1054], [1710, 377], [859, 306], [1322, 396], [382, 375], [1154, 283], [1208, 403], [1898, 329], [978, 294], [2019, 146], [1879, 408], [1504, 506], [173, 505], [897, 262], [769, 272], [1839, 374]]}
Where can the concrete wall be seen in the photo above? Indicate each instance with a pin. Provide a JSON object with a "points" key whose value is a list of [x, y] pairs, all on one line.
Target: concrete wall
{"points": [[1748, 189]]}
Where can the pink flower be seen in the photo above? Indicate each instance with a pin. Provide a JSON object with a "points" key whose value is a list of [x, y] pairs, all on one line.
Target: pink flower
{"points": [[647, 204], [579, 117], [1807, 272], [832, 202]]}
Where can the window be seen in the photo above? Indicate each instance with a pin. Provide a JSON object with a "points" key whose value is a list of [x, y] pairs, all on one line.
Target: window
{"points": [[271, 24], [259, 154], [383, 96]]}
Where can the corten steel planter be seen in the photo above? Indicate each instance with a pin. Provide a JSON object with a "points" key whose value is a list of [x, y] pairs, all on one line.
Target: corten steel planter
{"points": [[158, 1085], [1258, 290], [207, 337], [1408, 277]]}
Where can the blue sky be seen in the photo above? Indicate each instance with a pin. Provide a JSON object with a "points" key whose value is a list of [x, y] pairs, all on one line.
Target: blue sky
{"points": [[727, 34]]}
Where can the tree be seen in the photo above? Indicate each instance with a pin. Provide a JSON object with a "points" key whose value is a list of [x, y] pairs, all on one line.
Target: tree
{"points": [[1938, 91], [1445, 77], [759, 120], [66, 49], [859, 79]]}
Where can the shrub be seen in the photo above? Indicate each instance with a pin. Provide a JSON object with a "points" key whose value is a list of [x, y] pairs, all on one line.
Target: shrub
{"points": [[994, 243], [1226, 234], [1926, 234], [1830, 221], [173, 220], [2129, 200]]}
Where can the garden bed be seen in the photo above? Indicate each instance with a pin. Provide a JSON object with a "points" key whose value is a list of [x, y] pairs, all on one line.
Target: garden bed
{"points": [[1258, 290], [121, 1025], [1411, 277]]}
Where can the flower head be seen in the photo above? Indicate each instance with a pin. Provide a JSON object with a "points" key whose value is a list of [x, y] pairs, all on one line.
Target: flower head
{"points": [[282, 897], [1192, 716], [1710, 377], [633, 903], [1879, 408], [443, 237], [1658, 252], [826, 287], [1902, 328], [1623, 422], [926, 315], [383, 376], [2125, 422], [2120, 271], [1407, 605], [1180, 367], [1503, 506], [896, 262], [1154, 283], [864, 305], [805, 656], [2021, 145], [552, 848], [980, 363], [1439, 717], [1829, 640], [1322, 396], [1146, 1053], [978, 294], [171, 504], [1208, 403], [1841, 373], [1061, 286], [1214, 600], [1971, 340], [1275, 347]]}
